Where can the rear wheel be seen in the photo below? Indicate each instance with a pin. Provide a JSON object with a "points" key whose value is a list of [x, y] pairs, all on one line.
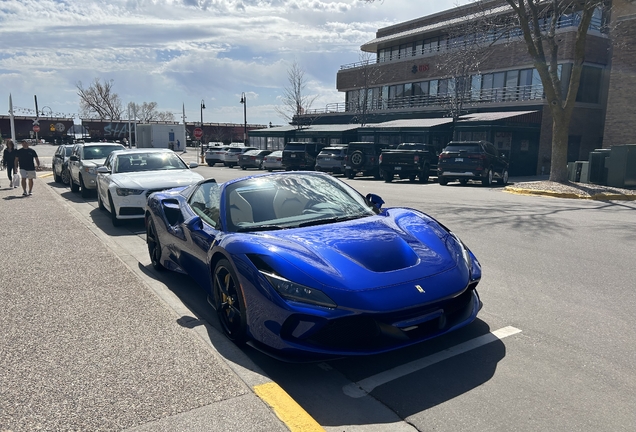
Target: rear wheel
{"points": [[464, 182], [113, 212], [412, 178], [387, 176], [210, 164], [100, 203], [228, 302], [423, 176], [442, 181], [243, 168], [350, 174], [154, 247]]}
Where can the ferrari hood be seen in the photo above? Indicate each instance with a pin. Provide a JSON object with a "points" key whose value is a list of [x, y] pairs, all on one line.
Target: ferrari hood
{"points": [[163, 179], [375, 251]]}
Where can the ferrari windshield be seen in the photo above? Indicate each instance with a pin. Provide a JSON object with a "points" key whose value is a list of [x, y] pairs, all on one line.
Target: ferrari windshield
{"points": [[289, 201]]}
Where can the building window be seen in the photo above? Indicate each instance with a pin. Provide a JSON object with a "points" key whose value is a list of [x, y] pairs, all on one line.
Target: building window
{"points": [[512, 80], [475, 87], [590, 84]]}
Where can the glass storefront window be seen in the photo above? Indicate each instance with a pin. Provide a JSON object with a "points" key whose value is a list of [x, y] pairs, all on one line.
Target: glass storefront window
{"points": [[432, 87], [475, 87], [512, 80]]}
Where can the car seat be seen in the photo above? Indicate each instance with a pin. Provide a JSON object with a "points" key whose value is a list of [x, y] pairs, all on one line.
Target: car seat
{"points": [[123, 164], [288, 203]]}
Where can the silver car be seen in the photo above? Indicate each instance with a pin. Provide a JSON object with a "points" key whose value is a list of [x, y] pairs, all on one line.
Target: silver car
{"points": [[273, 161], [83, 163], [331, 159], [60, 163], [215, 155], [232, 154]]}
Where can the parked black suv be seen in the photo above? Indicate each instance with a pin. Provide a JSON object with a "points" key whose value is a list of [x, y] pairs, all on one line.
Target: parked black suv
{"points": [[408, 161], [363, 157], [301, 156], [472, 160]]}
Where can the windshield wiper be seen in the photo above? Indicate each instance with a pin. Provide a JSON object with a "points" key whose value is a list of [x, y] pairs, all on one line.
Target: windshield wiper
{"points": [[330, 220], [260, 228]]}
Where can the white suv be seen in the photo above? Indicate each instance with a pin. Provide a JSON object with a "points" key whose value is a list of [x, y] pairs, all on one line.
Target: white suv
{"points": [[83, 163]]}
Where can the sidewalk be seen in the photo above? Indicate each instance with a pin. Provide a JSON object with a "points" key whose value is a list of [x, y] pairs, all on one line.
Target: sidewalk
{"points": [[86, 345]]}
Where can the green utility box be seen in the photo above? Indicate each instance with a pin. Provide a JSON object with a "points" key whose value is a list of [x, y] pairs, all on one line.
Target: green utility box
{"points": [[598, 170], [621, 166]]}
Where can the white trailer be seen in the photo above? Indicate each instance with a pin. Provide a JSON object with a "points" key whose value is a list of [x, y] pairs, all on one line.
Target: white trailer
{"points": [[172, 136]]}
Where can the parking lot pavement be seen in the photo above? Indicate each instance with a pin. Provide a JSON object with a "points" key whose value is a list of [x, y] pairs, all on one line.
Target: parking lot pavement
{"points": [[85, 345]]}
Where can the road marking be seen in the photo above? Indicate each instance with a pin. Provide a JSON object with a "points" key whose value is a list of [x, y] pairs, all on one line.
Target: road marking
{"points": [[286, 408], [367, 385], [45, 175]]}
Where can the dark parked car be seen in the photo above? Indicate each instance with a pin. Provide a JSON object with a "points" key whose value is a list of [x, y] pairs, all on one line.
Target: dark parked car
{"points": [[60, 164], [331, 159], [408, 161], [301, 156], [364, 157], [252, 159], [472, 160], [232, 155]]}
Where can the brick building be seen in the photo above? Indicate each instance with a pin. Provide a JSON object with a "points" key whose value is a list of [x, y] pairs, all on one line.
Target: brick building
{"points": [[410, 72]]}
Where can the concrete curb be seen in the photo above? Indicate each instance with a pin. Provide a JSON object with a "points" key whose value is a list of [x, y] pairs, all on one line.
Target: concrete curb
{"points": [[596, 197]]}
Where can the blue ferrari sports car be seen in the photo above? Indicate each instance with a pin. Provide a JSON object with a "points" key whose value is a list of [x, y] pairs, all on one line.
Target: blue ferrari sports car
{"points": [[301, 263]]}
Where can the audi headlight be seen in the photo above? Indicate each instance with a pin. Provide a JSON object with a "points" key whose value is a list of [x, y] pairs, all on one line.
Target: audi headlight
{"points": [[126, 191], [292, 291], [90, 170]]}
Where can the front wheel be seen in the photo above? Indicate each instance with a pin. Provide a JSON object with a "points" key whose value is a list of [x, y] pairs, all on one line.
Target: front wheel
{"points": [[113, 212], [56, 178], [351, 175], [100, 203], [387, 176], [66, 176], [74, 186], [85, 192], [442, 181], [243, 168], [229, 303], [424, 174]]}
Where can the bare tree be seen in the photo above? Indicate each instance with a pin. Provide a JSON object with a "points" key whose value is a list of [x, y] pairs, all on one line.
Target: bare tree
{"points": [[295, 101], [99, 100], [147, 112], [363, 100], [219, 134]]}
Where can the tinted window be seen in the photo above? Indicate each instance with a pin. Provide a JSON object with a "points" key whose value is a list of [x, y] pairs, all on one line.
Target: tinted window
{"points": [[133, 162], [252, 152], [295, 147], [68, 151], [463, 147], [100, 152], [412, 147], [331, 152]]}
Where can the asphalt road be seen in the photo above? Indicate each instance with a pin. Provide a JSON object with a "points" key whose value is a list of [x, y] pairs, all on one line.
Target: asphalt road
{"points": [[558, 295]]}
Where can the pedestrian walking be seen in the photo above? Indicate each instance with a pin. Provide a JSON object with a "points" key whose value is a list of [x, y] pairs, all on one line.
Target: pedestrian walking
{"points": [[8, 160], [26, 158]]}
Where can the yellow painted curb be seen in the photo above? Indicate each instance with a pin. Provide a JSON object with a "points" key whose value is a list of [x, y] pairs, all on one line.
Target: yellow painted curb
{"points": [[597, 197], [287, 409], [45, 175]]}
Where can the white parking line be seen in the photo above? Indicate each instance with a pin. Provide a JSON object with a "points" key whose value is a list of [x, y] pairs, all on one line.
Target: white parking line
{"points": [[366, 386]]}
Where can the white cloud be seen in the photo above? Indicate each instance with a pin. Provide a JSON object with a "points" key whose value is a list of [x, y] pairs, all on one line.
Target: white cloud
{"points": [[182, 51]]}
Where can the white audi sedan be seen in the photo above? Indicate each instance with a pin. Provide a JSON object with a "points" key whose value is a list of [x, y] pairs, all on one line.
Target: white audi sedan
{"points": [[129, 176]]}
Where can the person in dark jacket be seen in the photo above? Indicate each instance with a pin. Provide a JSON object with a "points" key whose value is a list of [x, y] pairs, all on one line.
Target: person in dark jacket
{"points": [[8, 160]]}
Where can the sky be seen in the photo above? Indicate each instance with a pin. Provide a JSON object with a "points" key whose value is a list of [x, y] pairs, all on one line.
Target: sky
{"points": [[181, 52]]}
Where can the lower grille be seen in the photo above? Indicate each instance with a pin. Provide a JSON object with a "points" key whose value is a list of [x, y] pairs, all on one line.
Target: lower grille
{"points": [[131, 211]]}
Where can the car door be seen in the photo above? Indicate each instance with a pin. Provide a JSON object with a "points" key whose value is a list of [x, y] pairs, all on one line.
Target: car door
{"points": [[58, 159], [74, 165], [200, 231], [103, 180]]}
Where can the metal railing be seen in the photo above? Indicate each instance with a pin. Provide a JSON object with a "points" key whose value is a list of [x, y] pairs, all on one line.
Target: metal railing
{"points": [[468, 97], [565, 21]]}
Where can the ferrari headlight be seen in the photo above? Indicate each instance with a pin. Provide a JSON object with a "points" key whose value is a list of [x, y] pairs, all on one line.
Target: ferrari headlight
{"points": [[458, 247], [126, 191], [292, 291]]}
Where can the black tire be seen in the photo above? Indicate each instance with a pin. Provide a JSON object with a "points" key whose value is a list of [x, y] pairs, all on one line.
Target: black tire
{"points": [[270, 170], [412, 178], [100, 203], [504, 178], [229, 303], [66, 176], [351, 174], [463, 182], [56, 178], [377, 176], [74, 187], [487, 181], [113, 212], [85, 192], [210, 164], [442, 181], [424, 174], [388, 177], [243, 168], [154, 246]]}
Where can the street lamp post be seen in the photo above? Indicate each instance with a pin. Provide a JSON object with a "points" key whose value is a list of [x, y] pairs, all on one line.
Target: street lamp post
{"points": [[244, 102], [200, 140]]}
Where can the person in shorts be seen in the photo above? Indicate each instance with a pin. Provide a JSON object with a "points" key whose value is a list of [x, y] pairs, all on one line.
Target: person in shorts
{"points": [[26, 158], [8, 160]]}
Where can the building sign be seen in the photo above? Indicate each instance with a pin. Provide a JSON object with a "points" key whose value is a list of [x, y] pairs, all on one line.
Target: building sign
{"points": [[420, 68]]}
